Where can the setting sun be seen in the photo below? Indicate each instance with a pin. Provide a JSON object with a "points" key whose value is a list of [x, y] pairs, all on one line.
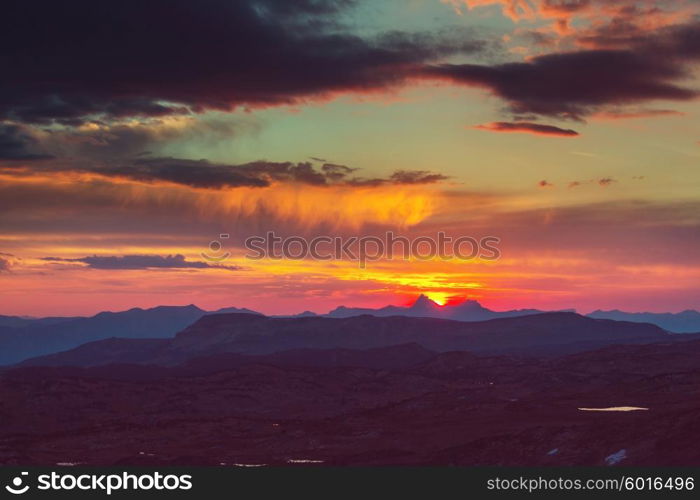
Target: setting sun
{"points": [[438, 297]]}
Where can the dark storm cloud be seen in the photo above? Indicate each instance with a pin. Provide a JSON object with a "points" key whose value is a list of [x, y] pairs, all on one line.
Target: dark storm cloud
{"points": [[209, 175], [66, 61], [528, 127], [194, 173], [204, 174], [335, 172], [401, 177], [87, 60], [16, 143], [415, 177], [575, 84], [139, 262], [572, 85]]}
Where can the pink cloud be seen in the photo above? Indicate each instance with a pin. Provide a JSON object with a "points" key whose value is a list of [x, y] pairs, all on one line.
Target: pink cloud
{"points": [[528, 128]]}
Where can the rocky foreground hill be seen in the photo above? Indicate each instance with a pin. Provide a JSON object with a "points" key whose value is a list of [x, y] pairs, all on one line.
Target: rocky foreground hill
{"points": [[392, 405]]}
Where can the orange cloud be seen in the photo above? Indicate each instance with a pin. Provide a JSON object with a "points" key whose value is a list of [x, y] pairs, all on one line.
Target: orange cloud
{"points": [[300, 206], [593, 23], [515, 9]]}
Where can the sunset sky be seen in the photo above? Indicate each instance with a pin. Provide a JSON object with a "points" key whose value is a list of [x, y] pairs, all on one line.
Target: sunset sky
{"points": [[132, 134]]}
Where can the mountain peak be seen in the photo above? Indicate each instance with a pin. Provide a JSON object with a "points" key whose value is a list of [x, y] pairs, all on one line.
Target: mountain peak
{"points": [[424, 302], [471, 305]]}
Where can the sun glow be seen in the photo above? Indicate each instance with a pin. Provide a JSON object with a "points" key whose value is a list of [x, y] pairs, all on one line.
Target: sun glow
{"points": [[304, 206], [439, 298]]}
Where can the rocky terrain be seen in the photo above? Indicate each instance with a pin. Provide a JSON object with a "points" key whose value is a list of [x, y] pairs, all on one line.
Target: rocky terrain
{"points": [[392, 405]]}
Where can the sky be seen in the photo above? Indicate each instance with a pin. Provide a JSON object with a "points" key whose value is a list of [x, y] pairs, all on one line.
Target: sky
{"points": [[133, 134]]}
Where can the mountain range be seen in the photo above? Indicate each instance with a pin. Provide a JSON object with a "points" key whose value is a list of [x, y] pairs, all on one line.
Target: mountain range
{"points": [[251, 334], [423, 307], [22, 338], [471, 310], [683, 322]]}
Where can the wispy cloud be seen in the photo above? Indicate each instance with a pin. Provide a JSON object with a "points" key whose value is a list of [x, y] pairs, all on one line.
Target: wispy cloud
{"points": [[130, 262], [528, 128], [210, 175]]}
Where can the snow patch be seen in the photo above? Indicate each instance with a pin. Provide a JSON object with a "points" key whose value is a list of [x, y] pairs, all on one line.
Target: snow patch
{"points": [[616, 408], [616, 458]]}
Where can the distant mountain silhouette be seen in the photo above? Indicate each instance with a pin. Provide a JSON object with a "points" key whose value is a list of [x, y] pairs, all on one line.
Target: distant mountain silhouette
{"points": [[558, 332], [20, 322], [23, 338], [471, 310], [682, 322], [36, 337], [423, 307], [226, 310], [251, 334], [305, 314]]}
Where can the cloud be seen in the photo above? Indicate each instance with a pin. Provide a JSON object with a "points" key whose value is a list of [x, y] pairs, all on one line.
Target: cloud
{"points": [[193, 173], [249, 54], [177, 56], [545, 184], [17, 143], [529, 128], [335, 172], [625, 23], [618, 232], [609, 55], [515, 9], [415, 177], [87, 204], [131, 262], [209, 175], [576, 84], [99, 140], [617, 114], [593, 22], [602, 182], [4, 264], [402, 177]]}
